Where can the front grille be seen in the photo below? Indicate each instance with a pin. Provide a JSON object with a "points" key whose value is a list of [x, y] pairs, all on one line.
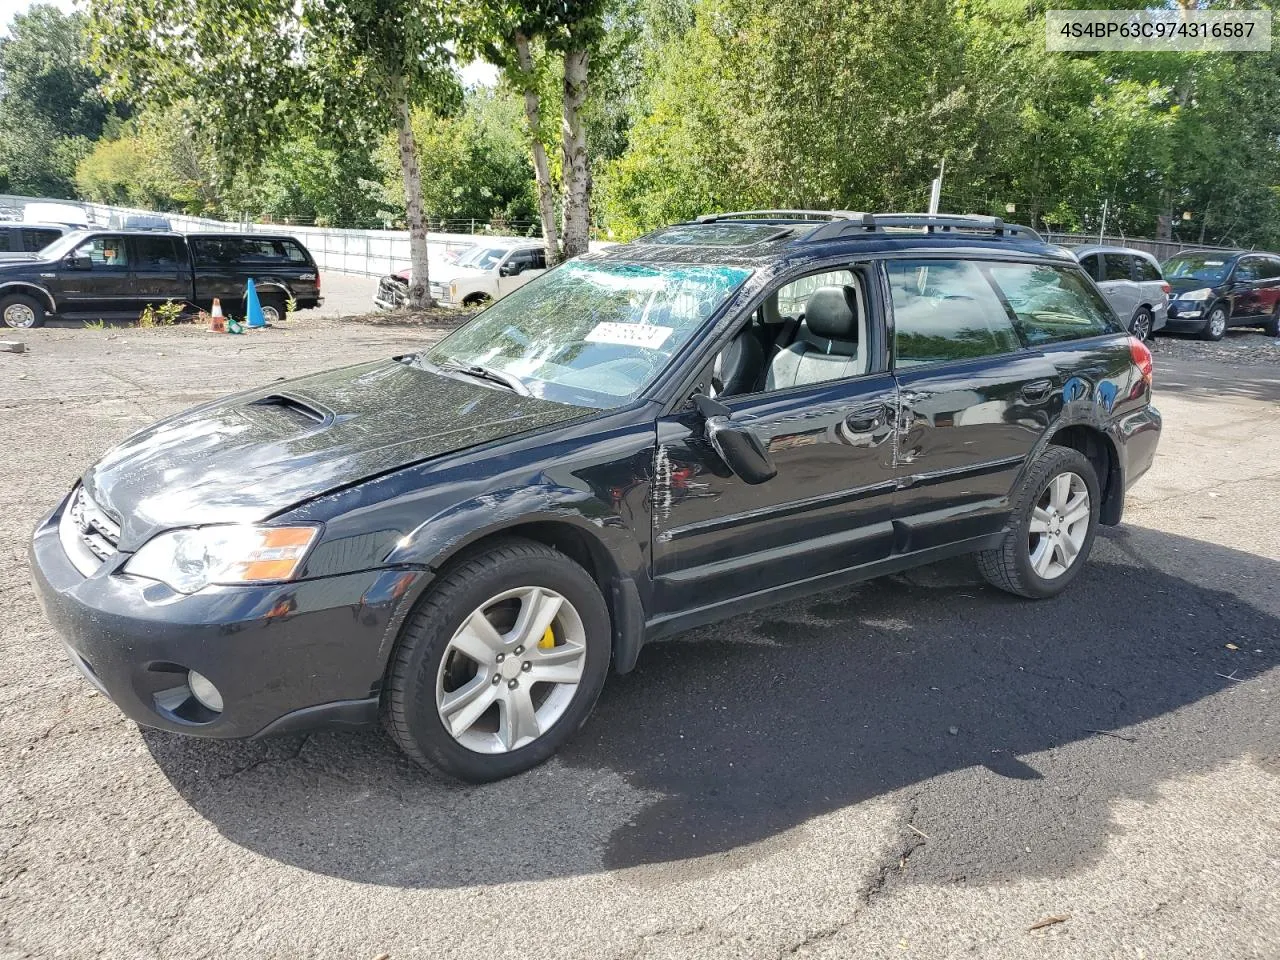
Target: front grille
{"points": [[392, 291], [88, 534]]}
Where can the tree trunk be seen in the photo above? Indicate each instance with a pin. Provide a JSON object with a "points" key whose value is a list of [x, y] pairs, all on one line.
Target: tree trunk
{"points": [[541, 168], [577, 171], [419, 288]]}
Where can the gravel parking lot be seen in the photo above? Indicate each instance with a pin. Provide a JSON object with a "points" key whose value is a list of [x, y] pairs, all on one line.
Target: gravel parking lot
{"points": [[918, 766]]}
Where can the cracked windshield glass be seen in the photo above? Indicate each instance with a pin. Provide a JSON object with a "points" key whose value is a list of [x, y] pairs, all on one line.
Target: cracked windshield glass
{"points": [[590, 334]]}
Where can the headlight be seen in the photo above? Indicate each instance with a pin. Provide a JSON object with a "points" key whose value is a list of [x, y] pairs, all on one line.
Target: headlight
{"points": [[1204, 293], [190, 560]]}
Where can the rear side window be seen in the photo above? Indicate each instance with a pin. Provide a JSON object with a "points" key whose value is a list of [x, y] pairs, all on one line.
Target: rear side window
{"points": [[1090, 264], [1115, 266], [1051, 304], [36, 240], [154, 252], [946, 310], [1146, 269]]}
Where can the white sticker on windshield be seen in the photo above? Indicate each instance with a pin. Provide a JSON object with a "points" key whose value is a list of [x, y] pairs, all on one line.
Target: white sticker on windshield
{"points": [[647, 335], [1213, 263]]}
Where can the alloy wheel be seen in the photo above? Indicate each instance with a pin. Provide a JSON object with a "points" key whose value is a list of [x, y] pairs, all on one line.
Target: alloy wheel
{"points": [[1217, 323], [511, 670], [1059, 526], [19, 316], [270, 314], [1142, 325]]}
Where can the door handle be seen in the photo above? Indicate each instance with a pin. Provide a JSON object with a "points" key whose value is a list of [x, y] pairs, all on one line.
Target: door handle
{"points": [[1036, 389], [868, 418]]}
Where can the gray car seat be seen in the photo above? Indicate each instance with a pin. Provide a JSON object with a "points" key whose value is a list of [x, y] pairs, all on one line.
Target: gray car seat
{"points": [[828, 345]]}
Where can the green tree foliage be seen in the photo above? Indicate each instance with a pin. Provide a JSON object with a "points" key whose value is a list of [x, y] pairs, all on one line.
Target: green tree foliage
{"points": [[747, 104], [50, 104], [474, 163]]}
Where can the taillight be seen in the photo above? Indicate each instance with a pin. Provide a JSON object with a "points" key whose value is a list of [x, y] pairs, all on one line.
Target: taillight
{"points": [[318, 275], [1141, 356]]}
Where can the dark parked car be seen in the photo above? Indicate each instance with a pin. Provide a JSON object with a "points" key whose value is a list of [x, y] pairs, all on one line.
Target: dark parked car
{"points": [[1214, 290], [24, 241], [719, 416], [115, 274]]}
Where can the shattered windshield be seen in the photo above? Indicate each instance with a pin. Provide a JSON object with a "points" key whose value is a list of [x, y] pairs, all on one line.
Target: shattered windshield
{"points": [[590, 334]]}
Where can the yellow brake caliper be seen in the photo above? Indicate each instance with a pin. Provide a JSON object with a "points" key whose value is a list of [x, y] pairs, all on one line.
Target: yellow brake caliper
{"points": [[548, 640]]}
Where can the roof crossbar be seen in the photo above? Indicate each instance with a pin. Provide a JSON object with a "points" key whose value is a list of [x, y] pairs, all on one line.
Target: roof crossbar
{"points": [[930, 222], [832, 215]]}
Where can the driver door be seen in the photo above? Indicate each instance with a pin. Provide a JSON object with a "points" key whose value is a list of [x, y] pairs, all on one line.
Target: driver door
{"points": [[519, 268], [95, 277], [717, 538]]}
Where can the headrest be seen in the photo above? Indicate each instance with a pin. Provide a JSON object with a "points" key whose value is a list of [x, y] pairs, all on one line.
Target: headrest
{"points": [[832, 312]]}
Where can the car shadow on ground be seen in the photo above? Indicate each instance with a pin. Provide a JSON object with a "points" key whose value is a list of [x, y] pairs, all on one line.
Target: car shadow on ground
{"points": [[929, 691]]}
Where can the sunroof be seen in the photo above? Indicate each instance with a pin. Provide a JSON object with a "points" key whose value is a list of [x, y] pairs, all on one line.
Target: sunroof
{"points": [[716, 234]]}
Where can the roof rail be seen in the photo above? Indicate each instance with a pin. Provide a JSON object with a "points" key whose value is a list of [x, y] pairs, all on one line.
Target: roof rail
{"points": [[833, 215], [930, 222]]}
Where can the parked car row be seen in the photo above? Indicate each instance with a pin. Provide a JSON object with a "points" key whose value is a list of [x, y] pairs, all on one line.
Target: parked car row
{"points": [[115, 274], [482, 273], [1202, 292]]}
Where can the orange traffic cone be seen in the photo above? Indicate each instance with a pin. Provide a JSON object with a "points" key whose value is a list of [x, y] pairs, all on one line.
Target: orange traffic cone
{"points": [[217, 323]]}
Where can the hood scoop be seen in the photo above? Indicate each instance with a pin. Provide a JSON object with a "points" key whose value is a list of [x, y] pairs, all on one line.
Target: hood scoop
{"points": [[297, 408]]}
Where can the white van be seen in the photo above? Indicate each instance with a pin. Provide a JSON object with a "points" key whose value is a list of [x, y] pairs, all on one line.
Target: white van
{"points": [[67, 214]]}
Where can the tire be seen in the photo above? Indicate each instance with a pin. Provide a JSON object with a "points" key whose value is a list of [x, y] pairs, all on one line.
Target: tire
{"points": [[477, 300], [20, 312], [273, 302], [1012, 565], [1272, 327], [1140, 325], [428, 668], [1216, 325]]}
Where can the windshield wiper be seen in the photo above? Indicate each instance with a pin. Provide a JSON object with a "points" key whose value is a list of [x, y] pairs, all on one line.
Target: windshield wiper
{"points": [[493, 376]]}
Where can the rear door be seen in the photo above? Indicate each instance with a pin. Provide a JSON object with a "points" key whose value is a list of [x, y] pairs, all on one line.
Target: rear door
{"points": [[160, 273], [1119, 286]]}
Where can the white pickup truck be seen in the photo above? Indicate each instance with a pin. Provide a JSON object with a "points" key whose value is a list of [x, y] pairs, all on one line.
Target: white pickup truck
{"points": [[488, 271]]}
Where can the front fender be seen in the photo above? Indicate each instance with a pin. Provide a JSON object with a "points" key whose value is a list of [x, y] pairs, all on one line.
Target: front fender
{"points": [[434, 542]]}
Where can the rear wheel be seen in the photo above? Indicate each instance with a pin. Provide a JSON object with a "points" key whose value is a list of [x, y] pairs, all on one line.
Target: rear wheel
{"points": [[21, 312], [1140, 325], [501, 663], [1051, 529], [273, 308], [1216, 325]]}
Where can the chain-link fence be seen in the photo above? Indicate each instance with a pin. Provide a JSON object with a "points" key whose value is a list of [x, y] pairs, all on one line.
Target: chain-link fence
{"points": [[372, 253]]}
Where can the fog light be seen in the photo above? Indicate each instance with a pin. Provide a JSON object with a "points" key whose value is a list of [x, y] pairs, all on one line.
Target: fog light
{"points": [[204, 691]]}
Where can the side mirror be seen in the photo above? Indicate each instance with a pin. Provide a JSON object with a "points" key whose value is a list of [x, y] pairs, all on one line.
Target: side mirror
{"points": [[508, 269], [79, 263], [738, 445]]}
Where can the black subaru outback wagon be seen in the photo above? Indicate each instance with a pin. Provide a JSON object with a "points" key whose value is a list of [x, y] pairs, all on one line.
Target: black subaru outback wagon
{"points": [[721, 415]]}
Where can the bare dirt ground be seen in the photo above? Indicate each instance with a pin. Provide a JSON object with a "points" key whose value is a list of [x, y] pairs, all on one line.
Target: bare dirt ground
{"points": [[914, 767]]}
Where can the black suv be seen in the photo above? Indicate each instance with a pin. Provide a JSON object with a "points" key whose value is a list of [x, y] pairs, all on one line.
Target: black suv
{"points": [[92, 275], [719, 416], [1217, 289]]}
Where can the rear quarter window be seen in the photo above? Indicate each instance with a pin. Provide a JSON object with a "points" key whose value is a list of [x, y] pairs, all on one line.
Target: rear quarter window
{"points": [[1147, 270], [1050, 303]]}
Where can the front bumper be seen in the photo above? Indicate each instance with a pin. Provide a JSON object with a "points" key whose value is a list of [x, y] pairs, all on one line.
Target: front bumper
{"points": [[284, 657], [1190, 315]]}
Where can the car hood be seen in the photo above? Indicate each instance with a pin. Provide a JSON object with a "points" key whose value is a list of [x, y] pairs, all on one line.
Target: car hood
{"points": [[1184, 284], [248, 457]]}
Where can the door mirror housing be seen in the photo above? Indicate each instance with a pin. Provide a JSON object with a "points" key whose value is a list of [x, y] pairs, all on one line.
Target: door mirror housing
{"points": [[79, 263], [737, 444], [508, 269]]}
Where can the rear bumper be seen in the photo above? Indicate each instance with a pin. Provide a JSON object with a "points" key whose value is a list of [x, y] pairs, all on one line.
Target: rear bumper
{"points": [[1137, 435], [284, 657]]}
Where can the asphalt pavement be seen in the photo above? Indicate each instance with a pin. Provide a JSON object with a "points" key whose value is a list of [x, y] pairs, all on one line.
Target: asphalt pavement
{"points": [[919, 766]]}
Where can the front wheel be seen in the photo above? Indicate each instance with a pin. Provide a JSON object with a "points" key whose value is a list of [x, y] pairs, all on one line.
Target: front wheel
{"points": [[21, 312], [1216, 325], [501, 663], [1051, 527], [1272, 327]]}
